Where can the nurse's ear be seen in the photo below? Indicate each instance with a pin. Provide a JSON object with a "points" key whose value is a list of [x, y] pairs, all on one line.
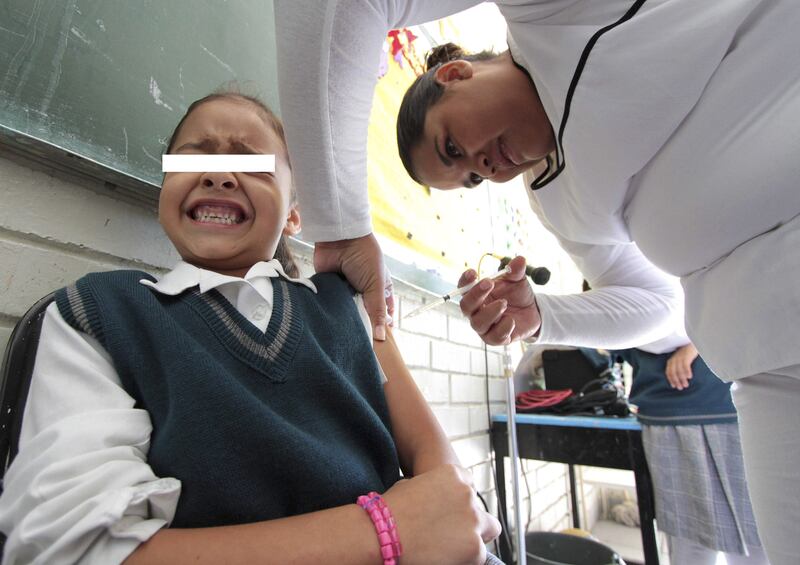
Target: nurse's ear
{"points": [[453, 71]]}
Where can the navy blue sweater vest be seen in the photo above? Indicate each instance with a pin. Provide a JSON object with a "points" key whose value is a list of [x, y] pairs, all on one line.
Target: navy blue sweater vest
{"points": [[256, 425], [707, 400]]}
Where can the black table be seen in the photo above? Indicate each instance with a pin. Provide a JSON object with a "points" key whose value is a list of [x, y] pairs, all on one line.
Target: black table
{"points": [[580, 440]]}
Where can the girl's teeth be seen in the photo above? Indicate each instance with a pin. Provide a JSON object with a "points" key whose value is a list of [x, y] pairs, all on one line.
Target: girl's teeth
{"points": [[214, 215]]}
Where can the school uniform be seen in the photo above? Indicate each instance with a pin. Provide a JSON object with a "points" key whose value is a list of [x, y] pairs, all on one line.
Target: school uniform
{"points": [[197, 400], [693, 449]]}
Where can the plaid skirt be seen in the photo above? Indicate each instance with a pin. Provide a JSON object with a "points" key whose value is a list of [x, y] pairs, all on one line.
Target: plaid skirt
{"points": [[700, 489]]}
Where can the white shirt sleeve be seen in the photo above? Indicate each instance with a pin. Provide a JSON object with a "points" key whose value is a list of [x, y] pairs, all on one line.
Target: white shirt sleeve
{"points": [[631, 302], [328, 59], [80, 490]]}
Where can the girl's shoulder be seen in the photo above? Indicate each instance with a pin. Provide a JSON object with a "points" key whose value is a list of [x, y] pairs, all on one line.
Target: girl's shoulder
{"points": [[117, 283], [332, 283], [82, 301]]}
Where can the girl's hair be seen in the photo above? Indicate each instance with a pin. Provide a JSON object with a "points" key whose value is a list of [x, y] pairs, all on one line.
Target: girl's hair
{"points": [[423, 93], [282, 252]]}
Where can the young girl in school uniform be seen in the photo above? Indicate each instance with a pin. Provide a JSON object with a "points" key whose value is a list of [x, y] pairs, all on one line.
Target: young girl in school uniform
{"points": [[230, 411]]}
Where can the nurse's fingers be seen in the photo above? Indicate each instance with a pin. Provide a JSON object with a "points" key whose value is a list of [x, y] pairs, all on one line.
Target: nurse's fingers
{"points": [[474, 300], [467, 277], [483, 318], [501, 332], [517, 265]]}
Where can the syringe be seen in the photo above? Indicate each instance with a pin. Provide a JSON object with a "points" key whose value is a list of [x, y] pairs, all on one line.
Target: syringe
{"points": [[436, 302]]}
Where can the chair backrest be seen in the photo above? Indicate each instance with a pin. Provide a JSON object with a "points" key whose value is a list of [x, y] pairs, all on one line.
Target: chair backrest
{"points": [[17, 370], [16, 379]]}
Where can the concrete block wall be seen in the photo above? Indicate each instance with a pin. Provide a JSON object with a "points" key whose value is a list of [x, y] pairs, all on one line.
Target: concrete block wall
{"points": [[545, 496], [457, 377], [56, 226]]}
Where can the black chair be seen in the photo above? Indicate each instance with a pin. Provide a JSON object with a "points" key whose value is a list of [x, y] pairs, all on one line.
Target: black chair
{"points": [[16, 379]]}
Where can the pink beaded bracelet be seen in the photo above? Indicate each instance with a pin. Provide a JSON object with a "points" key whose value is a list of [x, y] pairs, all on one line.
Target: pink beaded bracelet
{"points": [[384, 524]]}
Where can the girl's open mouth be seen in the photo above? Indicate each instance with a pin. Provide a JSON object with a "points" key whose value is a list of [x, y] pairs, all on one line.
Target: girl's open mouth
{"points": [[217, 214]]}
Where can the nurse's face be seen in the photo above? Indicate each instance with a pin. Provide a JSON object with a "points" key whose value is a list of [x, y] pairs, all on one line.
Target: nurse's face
{"points": [[489, 124]]}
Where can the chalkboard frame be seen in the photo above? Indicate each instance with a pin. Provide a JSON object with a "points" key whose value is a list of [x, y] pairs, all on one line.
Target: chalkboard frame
{"points": [[51, 156]]}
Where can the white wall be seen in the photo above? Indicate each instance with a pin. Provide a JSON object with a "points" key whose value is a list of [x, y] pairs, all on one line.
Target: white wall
{"points": [[53, 230]]}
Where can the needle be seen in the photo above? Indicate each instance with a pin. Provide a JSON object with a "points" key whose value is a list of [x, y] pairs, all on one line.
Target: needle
{"points": [[438, 301]]}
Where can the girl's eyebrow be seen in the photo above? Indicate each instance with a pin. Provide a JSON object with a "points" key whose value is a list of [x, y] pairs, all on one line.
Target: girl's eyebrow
{"points": [[209, 145], [243, 148]]}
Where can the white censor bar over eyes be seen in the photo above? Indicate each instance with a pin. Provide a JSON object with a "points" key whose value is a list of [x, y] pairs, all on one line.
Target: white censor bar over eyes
{"points": [[218, 163]]}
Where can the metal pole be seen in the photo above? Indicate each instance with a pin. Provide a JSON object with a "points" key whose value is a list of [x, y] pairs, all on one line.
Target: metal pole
{"points": [[513, 454]]}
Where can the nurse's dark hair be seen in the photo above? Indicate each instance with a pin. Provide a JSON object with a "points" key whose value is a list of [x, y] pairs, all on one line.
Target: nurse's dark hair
{"points": [[423, 93], [231, 92]]}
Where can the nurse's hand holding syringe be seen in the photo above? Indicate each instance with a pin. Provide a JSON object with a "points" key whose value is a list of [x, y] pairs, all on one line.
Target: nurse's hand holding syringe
{"points": [[436, 302], [504, 310]]}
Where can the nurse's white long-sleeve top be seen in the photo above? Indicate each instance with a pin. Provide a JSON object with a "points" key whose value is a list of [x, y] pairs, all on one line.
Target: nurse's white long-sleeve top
{"points": [[682, 136]]}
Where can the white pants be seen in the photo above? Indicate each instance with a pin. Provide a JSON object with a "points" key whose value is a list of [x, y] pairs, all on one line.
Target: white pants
{"points": [[685, 552], [769, 423]]}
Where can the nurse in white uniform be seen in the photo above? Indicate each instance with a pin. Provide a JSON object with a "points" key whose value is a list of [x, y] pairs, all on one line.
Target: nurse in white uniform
{"points": [[673, 128]]}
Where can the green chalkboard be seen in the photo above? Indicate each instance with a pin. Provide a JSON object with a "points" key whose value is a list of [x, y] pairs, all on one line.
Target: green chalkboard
{"points": [[98, 85]]}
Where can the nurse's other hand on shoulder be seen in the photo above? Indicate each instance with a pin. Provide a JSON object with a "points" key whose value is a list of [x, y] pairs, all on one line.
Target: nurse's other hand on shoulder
{"points": [[360, 260], [503, 310]]}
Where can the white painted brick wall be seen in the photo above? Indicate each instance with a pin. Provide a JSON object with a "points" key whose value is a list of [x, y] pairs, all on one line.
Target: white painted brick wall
{"points": [[416, 348], [472, 450], [558, 520], [467, 388], [53, 230], [497, 390], [478, 419], [545, 495], [590, 501], [81, 217], [32, 269], [550, 494], [477, 361], [447, 356], [549, 474], [459, 331], [495, 363], [432, 323], [454, 420]]}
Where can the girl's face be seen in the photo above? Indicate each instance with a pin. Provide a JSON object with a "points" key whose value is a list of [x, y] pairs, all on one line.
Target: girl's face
{"points": [[489, 124], [227, 222]]}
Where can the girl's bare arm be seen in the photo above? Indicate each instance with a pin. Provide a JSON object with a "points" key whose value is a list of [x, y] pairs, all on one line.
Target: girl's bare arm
{"points": [[421, 442]]}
